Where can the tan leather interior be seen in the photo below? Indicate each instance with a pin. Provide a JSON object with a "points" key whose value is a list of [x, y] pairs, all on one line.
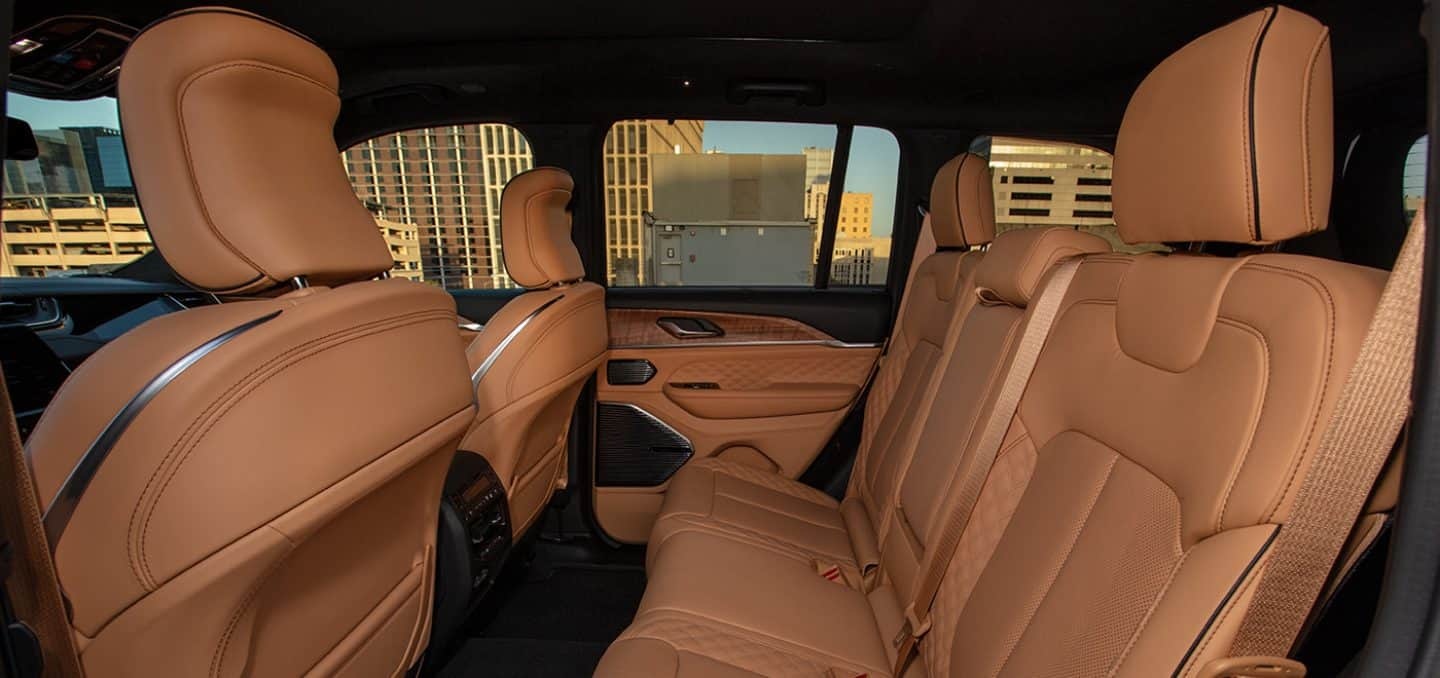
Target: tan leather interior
{"points": [[207, 543], [1260, 177], [962, 203], [535, 229], [534, 355], [806, 390], [777, 433], [222, 107], [1124, 523]]}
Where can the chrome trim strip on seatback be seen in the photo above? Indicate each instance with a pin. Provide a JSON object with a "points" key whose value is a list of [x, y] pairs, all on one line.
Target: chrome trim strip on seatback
{"points": [[63, 505], [500, 347], [831, 343]]}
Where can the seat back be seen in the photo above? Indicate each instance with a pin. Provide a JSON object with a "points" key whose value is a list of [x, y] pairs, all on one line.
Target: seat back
{"points": [[1154, 454], [937, 298], [533, 357], [267, 471]]}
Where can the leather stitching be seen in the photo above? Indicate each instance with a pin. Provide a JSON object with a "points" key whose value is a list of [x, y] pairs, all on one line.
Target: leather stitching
{"points": [[189, 162], [1220, 622], [1324, 384], [1247, 124], [217, 662], [1311, 222], [1145, 621], [220, 406], [1069, 550], [1259, 416]]}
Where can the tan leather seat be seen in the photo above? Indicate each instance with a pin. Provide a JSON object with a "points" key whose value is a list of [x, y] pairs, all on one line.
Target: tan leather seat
{"points": [[1122, 528], [763, 508], [529, 363], [269, 469]]}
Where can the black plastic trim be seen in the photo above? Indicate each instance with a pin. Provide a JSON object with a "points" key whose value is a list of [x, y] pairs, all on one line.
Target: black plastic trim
{"points": [[1254, 67], [1244, 574]]}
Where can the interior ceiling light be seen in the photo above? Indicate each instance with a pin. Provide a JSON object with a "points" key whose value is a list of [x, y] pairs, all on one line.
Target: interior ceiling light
{"points": [[24, 46]]}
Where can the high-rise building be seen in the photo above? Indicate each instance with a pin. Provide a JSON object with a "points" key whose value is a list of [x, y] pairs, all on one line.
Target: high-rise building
{"points": [[1039, 183], [629, 193], [818, 162], [447, 182], [46, 234]]}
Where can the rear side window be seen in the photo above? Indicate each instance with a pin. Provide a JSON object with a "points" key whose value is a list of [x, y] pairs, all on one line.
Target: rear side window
{"points": [[435, 195], [1413, 187], [71, 210], [1052, 183], [737, 203]]}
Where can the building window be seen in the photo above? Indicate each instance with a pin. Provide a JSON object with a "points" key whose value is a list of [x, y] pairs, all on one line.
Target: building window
{"points": [[1413, 188], [78, 184], [1076, 180], [698, 202], [443, 206], [862, 246]]}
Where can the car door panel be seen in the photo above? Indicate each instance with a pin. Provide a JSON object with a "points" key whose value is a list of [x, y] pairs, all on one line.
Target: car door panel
{"points": [[769, 391]]}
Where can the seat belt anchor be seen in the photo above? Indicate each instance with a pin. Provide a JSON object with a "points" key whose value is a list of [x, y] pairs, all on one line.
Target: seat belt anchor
{"points": [[1252, 667], [913, 629]]}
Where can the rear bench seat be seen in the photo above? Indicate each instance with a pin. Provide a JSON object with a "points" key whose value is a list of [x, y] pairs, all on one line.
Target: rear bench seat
{"points": [[1152, 458], [766, 510]]}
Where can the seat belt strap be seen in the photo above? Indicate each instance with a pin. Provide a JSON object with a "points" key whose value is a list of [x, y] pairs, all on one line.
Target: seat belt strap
{"points": [[33, 587], [1043, 312], [1373, 406]]}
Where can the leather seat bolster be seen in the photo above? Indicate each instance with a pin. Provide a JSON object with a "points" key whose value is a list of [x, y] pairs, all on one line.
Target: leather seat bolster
{"points": [[1017, 260]]}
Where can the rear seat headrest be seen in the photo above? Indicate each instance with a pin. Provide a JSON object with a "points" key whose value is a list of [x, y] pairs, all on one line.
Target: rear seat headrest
{"points": [[1230, 138], [535, 229], [229, 126], [962, 203], [1017, 261]]}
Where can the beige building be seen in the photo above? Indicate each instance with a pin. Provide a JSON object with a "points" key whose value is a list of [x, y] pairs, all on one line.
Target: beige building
{"points": [[48, 234], [93, 233], [446, 182], [1039, 183], [860, 261], [629, 196]]}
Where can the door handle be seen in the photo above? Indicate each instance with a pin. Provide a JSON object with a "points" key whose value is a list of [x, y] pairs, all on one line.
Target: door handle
{"points": [[690, 328]]}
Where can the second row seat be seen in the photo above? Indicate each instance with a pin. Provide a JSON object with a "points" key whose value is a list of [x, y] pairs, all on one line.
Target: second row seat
{"points": [[1152, 459]]}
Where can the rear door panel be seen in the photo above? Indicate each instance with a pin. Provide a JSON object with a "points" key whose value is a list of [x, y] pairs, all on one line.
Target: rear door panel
{"points": [[770, 391]]}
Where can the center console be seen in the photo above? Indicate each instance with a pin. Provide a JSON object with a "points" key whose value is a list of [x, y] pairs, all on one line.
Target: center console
{"points": [[474, 541]]}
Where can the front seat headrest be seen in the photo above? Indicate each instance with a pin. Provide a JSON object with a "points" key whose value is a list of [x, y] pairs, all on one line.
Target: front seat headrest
{"points": [[1230, 139], [962, 203], [228, 122], [535, 229]]}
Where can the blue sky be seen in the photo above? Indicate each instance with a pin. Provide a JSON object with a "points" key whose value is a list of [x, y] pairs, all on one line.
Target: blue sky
{"points": [[874, 154], [46, 114]]}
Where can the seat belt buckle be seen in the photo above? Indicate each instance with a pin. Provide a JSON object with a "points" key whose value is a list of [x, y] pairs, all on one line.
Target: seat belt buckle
{"points": [[1252, 667]]}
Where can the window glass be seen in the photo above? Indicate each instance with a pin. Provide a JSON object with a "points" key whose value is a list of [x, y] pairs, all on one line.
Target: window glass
{"points": [[867, 209], [706, 202], [1052, 183], [71, 210], [435, 195], [1414, 180]]}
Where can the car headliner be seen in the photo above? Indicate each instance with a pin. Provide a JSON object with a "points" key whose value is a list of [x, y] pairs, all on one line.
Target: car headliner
{"points": [[1022, 66]]}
